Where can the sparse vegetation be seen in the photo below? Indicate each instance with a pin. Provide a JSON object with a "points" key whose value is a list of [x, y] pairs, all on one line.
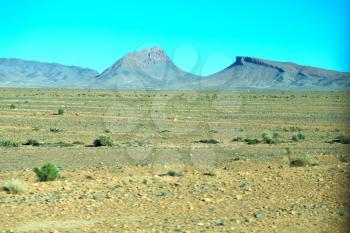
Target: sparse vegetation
{"points": [[78, 143], [154, 145], [32, 142], [47, 172], [55, 130], [344, 158], [173, 173], [292, 129], [270, 138], [251, 141], [303, 161], [237, 139], [298, 137], [35, 128], [103, 140], [61, 144], [9, 143], [15, 187], [343, 139], [208, 141], [210, 173]]}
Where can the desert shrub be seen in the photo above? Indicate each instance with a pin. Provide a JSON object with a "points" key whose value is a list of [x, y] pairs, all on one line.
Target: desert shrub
{"points": [[32, 142], [12, 106], [270, 138], [35, 128], [295, 129], [303, 161], [298, 137], [344, 158], [238, 139], [210, 173], [60, 111], [107, 131], [251, 141], [208, 141], [173, 173], [15, 187], [8, 143], [103, 140], [343, 139], [47, 172], [292, 129], [55, 130]]}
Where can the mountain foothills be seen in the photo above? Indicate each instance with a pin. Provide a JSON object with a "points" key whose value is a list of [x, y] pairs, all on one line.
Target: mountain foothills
{"points": [[153, 69]]}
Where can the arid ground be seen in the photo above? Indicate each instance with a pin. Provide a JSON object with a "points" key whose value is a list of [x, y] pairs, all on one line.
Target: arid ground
{"points": [[230, 178]]}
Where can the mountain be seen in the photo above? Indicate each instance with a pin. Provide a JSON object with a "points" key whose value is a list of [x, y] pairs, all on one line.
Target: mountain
{"points": [[153, 69], [145, 69], [254, 73], [21, 73]]}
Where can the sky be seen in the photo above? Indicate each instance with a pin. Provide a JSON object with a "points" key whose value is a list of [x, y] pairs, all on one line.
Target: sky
{"points": [[201, 37]]}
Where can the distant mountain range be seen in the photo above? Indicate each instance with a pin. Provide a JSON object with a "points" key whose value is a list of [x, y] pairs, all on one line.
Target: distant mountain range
{"points": [[153, 69], [20, 73]]}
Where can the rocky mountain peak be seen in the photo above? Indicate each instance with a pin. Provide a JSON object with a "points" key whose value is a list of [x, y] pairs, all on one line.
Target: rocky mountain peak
{"points": [[146, 57]]}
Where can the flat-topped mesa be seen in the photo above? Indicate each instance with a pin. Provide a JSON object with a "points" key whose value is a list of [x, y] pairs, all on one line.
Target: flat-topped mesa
{"points": [[147, 57], [243, 60]]}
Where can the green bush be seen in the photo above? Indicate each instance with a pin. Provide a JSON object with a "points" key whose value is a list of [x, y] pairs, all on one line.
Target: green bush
{"points": [[8, 143], [47, 172], [298, 137], [12, 106], [270, 138], [60, 111], [15, 187], [103, 140]]}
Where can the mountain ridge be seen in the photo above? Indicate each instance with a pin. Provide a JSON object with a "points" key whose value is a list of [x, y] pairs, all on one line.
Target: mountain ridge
{"points": [[153, 69], [16, 72]]}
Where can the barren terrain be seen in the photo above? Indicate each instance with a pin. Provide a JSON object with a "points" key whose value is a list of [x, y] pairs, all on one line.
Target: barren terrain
{"points": [[226, 184]]}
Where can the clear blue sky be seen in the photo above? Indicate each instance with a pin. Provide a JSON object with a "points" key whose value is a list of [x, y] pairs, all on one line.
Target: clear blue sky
{"points": [[201, 36]]}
